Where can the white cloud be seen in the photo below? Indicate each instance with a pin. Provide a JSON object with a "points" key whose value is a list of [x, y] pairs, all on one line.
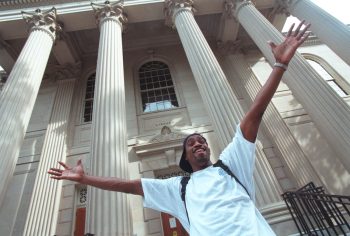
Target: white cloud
{"points": [[337, 8]]}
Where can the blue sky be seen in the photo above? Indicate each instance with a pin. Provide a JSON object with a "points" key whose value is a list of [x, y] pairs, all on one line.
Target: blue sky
{"points": [[337, 8]]}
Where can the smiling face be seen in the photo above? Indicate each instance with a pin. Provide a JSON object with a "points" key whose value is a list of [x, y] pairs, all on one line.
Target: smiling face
{"points": [[197, 152]]}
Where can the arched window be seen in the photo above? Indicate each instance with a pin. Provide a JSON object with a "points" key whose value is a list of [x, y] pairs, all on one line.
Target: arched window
{"points": [[156, 87], [89, 98], [3, 78], [327, 76]]}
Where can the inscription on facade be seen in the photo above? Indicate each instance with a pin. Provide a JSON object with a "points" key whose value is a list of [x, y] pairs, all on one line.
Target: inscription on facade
{"points": [[173, 174], [163, 124]]}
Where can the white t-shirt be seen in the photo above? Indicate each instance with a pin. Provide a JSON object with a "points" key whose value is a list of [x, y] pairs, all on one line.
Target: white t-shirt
{"points": [[216, 203]]}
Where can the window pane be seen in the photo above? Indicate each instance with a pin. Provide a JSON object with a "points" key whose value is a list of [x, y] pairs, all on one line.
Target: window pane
{"points": [[156, 87], [320, 70], [337, 88], [160, 106], [327, 77], [89, 97]]}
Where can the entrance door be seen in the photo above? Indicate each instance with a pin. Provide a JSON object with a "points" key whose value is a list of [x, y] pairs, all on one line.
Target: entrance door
{"points": [[172, 226], [80, 222]]}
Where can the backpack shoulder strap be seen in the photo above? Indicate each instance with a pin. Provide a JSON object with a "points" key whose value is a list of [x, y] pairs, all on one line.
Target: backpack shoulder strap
{"points": [[220, 164], [184, 182]]}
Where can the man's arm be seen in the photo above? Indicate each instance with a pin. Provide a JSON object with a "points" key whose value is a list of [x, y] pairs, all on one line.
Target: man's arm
{"points": [[77, 174], [283, 53]]}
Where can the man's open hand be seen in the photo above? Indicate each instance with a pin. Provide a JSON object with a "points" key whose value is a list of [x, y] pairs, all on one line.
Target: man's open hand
{"points": [[69, 173], [284, 52]]}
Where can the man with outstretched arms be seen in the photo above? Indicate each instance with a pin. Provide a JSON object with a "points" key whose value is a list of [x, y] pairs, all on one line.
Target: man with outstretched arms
{"points": [[215, 202]]}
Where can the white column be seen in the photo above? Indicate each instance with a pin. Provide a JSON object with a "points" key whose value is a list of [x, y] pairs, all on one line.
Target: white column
{"points": [[222, 106], [329, 112], [329, 29], [20, 91], [108, 212], [45, 200], [300, 167]]}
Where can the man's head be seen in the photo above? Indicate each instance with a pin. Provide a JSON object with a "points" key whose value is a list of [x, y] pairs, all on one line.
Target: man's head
{"points": [[196, 153]]}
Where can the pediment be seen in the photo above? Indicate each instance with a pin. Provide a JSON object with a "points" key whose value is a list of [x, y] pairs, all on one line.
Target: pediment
{"points": [[160, 143], [166, 134]]}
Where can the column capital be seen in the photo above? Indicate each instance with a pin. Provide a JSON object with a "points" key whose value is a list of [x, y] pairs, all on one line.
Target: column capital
{"points": [[279, 8], [172, 7], [287, 3], [229, 47], [43, 20], [232, 7], [110, 11], [65, 72]]}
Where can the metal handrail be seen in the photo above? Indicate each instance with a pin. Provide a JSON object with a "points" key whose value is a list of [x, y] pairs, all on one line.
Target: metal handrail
{"points": [[316, 213]]}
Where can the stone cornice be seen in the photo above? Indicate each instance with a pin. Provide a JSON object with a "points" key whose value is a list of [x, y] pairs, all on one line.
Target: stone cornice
{"points": [[20, 2], [63, 7], [9, 3]]}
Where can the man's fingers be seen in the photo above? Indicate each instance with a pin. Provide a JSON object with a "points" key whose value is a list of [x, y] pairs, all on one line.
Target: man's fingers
{"points": [[63, 164], [298, 28], [57, 170], [272, 44], [56, 177], [290, 30], [302, 39], [52, 173], [301, 33]]}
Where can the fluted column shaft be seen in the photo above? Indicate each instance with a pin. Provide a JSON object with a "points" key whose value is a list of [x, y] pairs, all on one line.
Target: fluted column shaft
{"points": [[293, 155], [44, 204], [108, 212], [329, 112], [20, 91], [221, 104], [329, 29]]}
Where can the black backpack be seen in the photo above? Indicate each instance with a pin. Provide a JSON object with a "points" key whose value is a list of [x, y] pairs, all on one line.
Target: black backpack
{"points": [[219, 163]]}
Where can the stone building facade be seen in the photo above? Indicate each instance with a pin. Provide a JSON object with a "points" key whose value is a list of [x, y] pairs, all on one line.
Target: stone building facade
{"points": [[119, 84]]}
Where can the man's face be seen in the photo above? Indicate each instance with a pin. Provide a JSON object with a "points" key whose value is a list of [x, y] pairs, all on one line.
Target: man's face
{"points": [[197, 152]]}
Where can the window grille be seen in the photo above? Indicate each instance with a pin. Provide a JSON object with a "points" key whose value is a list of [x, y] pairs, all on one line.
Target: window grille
{"points": [[157, 87], [89, 98]]}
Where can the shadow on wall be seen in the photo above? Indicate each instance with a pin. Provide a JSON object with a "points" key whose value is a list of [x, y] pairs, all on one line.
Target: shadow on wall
{"points": [[335, 178]]}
